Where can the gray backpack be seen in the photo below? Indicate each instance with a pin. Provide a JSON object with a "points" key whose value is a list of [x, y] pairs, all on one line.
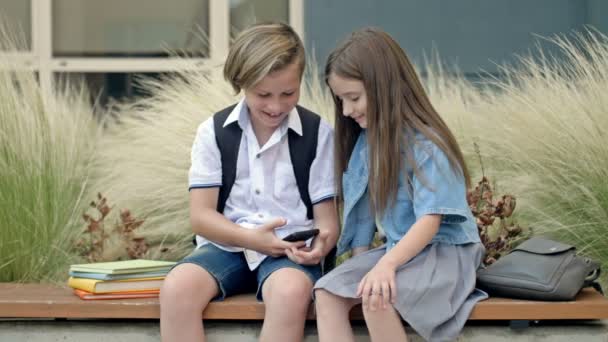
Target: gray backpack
{"points": [[539, 269]]}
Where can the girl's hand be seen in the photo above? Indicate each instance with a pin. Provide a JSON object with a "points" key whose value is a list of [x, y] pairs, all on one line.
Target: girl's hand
{"points": [[378, 289]]}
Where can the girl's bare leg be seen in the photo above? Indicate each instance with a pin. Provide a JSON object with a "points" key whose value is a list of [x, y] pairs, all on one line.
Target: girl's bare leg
{"points": [[333, 322], [384, 324]]}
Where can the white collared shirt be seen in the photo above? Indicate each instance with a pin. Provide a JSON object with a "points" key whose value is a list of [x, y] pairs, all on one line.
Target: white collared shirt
{"points": [[265, 185]]}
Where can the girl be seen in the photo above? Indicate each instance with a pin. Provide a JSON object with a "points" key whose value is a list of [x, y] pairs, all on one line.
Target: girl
{"points": [[401, 172], [247, 192]]}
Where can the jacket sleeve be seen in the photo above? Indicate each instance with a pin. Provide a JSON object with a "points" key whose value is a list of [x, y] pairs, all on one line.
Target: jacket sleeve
{"points": [[439, 189], [359, 227]]}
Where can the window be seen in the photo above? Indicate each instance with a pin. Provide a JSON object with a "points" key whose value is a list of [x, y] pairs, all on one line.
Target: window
{"points": [[119, 28], [105, 43], [16, 15], [107, 87], [247, 12]]}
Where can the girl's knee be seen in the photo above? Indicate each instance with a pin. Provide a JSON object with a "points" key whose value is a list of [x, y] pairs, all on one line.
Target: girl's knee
{"points": [[327, 301], [323, 296], [379, 312], [324, 301]]}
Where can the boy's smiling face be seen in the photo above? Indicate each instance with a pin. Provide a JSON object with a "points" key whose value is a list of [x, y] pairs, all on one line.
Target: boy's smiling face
{"points": [[270, 100]]}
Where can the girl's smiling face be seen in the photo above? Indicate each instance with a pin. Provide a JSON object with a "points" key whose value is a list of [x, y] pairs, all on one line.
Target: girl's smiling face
{"points": [[351, 94]]}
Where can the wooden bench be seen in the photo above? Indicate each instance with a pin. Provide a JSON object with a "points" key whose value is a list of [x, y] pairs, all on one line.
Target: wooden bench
{"points": [[47, 301]]}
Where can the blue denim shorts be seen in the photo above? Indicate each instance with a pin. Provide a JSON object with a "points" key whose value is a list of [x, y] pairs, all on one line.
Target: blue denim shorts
{"points": [[232, 274]]}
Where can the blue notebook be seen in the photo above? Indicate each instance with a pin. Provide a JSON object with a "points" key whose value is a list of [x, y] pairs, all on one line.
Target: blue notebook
{"points": [[124, 266], [104, 276]]}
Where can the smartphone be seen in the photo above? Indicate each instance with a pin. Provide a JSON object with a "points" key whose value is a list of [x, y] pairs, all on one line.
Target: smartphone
{"points": [[301, 236]]}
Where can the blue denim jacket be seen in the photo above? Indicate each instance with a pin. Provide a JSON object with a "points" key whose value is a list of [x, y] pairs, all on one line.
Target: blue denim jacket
{"points": [[440, 191]]}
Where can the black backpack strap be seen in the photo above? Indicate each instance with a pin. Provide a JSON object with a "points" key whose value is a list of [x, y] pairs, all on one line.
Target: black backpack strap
{"points": [[303, 150], [228, 140]]}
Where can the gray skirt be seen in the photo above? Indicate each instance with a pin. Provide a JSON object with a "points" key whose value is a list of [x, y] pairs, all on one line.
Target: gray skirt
{"points": [[436, 289]]}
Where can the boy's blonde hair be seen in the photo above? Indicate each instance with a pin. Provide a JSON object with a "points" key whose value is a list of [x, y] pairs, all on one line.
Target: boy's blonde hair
{"points": [[260, 50]]}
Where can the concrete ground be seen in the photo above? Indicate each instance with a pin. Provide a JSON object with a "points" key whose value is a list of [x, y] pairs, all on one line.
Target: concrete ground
{"points": [[232, 331]]}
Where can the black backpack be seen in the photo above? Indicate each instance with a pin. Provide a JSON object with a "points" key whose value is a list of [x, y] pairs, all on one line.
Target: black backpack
{"points": [[302, 150]]}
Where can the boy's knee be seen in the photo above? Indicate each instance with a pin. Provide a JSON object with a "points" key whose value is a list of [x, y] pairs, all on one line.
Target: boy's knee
{"points": [[288, 302], [292, 293], [174, 293], [187, 287]]}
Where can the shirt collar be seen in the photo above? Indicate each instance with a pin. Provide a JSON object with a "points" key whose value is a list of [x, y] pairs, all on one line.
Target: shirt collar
{"points": [[240, 113]]}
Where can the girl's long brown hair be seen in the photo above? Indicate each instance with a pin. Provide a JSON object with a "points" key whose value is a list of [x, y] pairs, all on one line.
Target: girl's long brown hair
{"points": [[397, 108]]}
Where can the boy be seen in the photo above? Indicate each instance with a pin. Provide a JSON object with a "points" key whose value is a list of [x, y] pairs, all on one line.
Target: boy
{"points": [[257, 175]]}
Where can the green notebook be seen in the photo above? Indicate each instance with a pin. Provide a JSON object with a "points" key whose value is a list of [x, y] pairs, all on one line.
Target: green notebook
{"points": [[123, 267]]}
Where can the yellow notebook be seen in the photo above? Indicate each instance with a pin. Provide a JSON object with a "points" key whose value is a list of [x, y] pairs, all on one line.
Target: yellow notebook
{"points": [[123, 267], [127, 285]]}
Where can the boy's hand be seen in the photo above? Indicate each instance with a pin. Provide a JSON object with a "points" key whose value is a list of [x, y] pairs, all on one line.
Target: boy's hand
{"points": [[309, 256], [265, 241]]}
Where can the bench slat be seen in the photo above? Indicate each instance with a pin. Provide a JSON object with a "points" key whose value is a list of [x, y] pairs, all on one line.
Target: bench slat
{"points": [[47, 301]]}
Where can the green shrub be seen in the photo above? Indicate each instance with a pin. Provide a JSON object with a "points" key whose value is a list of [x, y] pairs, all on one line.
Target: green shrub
{"points": [[543, 133], [46, 142]]}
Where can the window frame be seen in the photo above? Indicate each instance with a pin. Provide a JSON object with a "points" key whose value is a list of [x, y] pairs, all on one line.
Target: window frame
{"points": [[41, 58]]}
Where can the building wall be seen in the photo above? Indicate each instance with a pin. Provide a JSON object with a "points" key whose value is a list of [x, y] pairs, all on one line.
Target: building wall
{"points": [[597, 13], [473, 34]]}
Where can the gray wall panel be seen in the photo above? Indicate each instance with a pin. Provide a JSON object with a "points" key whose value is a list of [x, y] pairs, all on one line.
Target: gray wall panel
{"points": [[474, 34]]}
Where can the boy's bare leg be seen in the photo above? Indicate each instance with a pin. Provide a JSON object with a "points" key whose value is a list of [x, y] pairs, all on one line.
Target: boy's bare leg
{"points": [[333, 322], [186, 291], [287, 296], [384, 324]]}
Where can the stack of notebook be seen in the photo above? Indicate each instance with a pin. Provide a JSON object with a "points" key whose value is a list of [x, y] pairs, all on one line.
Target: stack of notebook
{"points": [[119, 279]]}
